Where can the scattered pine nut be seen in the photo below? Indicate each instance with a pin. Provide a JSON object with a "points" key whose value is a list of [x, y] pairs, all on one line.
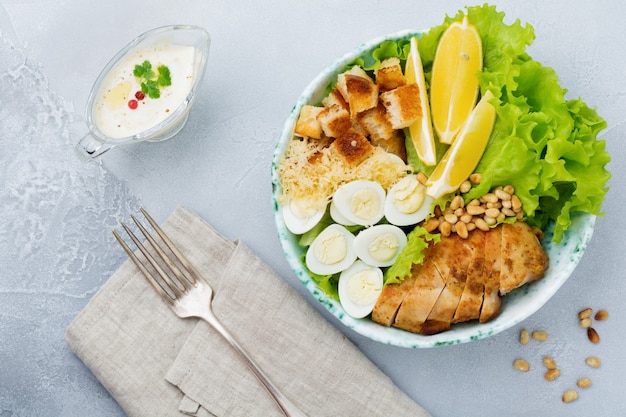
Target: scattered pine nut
{"points": [[585, 323], [583, 314], [570, 395], [584, 382], [539, 335], [593, 361], [602, 315], [524, 337], [593, 335], [422, 178], [552, 374], [476, 178], [521, 365], [548, 362]]}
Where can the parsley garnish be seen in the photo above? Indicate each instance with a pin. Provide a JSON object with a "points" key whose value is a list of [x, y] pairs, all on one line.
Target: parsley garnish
{"points": [[152, 82]]}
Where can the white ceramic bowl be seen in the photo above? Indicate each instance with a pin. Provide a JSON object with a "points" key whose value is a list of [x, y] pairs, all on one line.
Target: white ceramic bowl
{"points": [[516, 306]]}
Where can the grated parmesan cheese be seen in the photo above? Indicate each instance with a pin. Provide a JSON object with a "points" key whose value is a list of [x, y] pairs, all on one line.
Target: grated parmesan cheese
{"points": [[308, 171]]}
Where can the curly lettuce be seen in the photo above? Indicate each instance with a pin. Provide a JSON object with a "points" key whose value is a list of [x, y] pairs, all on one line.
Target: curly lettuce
{"points": [[543, 144]]}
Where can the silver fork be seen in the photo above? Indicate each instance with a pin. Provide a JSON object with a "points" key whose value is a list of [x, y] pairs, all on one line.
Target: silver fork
{"points": [[189, 295]]}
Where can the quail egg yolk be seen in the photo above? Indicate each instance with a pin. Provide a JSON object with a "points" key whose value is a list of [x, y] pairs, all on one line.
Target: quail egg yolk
{"points": [[383, 247], [362, 287], [365, 204], [409, 195], [332, 248], [302, 208]]}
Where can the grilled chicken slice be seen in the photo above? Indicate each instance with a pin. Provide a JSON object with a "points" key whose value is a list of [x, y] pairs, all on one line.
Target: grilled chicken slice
{"points": [[472, 298], [523, 258], [391, 298], [462, 280], [451, 258], [493, 258], [417, 305]]}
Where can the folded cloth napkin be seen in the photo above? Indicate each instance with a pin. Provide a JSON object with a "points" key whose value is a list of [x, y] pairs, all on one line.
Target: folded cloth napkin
{"points": [[156, 364]]}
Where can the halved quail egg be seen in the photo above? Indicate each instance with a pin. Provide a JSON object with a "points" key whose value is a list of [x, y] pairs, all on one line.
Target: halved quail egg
{"points": [[332, 251], [359, 202], [407, 203], [300, 215], [380, 245], [359, 287]]}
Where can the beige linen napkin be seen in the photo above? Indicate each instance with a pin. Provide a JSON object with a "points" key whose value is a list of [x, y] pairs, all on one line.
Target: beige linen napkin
{"points": [[155, 364]]}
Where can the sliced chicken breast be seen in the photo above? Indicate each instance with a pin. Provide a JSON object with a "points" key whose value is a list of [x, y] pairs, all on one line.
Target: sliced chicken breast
{"points": [[523, 258], [472, 298]]}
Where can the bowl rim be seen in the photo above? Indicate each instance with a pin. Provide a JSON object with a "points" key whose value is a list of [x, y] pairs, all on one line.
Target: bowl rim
{"points": [[581, 229]]}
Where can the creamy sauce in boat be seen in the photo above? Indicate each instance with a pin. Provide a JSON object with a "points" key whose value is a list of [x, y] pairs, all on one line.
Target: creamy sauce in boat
{"points": [[111, 113]]}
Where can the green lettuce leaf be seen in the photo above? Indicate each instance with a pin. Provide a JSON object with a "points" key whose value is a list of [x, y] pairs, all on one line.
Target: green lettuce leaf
{"points": [[411, 254]]}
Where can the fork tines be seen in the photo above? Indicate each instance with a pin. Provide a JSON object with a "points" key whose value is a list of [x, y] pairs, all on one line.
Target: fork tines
{"points": [[172, 285]]}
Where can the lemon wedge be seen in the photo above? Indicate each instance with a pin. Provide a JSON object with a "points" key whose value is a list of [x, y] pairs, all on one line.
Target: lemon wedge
{"points": [[421, 130], [454, 86], [464, 154]]}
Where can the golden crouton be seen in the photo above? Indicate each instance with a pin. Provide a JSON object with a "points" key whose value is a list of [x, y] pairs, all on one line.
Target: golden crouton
{"points": [[389, 75], [307, 124], [394, 144], [358, 90], [335, 97], [353, 147], [375, 123], [334, 120], [403, 105]]}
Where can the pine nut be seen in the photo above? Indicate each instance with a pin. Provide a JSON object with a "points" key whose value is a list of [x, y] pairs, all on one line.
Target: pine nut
{"points": [[421, 178], [489, 220], [585, 323], [476, 178], [583, 314], [459, 212], [502, 195], [539, 335], [481, 224], [602, 315], [492, 212], [570, 395], [593, 335], [445, 228], [523, 337], [507, 204], [474, 202], [457, 202], [465, 186], [509, 189], [516, 203], [552, 374], [521, 365], [461, 230], [548, 362], [584, 382], [466, 218], [451, 218], [489, 198], [431, 225], [508, 212], [474, 210], [520, 215], [593, 361]]}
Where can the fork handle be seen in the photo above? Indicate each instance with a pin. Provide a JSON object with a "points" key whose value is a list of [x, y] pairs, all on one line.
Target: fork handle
{"points": [[288, 408]]}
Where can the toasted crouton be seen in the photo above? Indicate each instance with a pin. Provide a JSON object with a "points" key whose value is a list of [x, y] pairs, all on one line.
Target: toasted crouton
{"points": [[389, 75], [334, 120], [394, 144], [307, 124], [335, 97], [403, 105], [375, 123], [353, 147], [358, 90]]}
